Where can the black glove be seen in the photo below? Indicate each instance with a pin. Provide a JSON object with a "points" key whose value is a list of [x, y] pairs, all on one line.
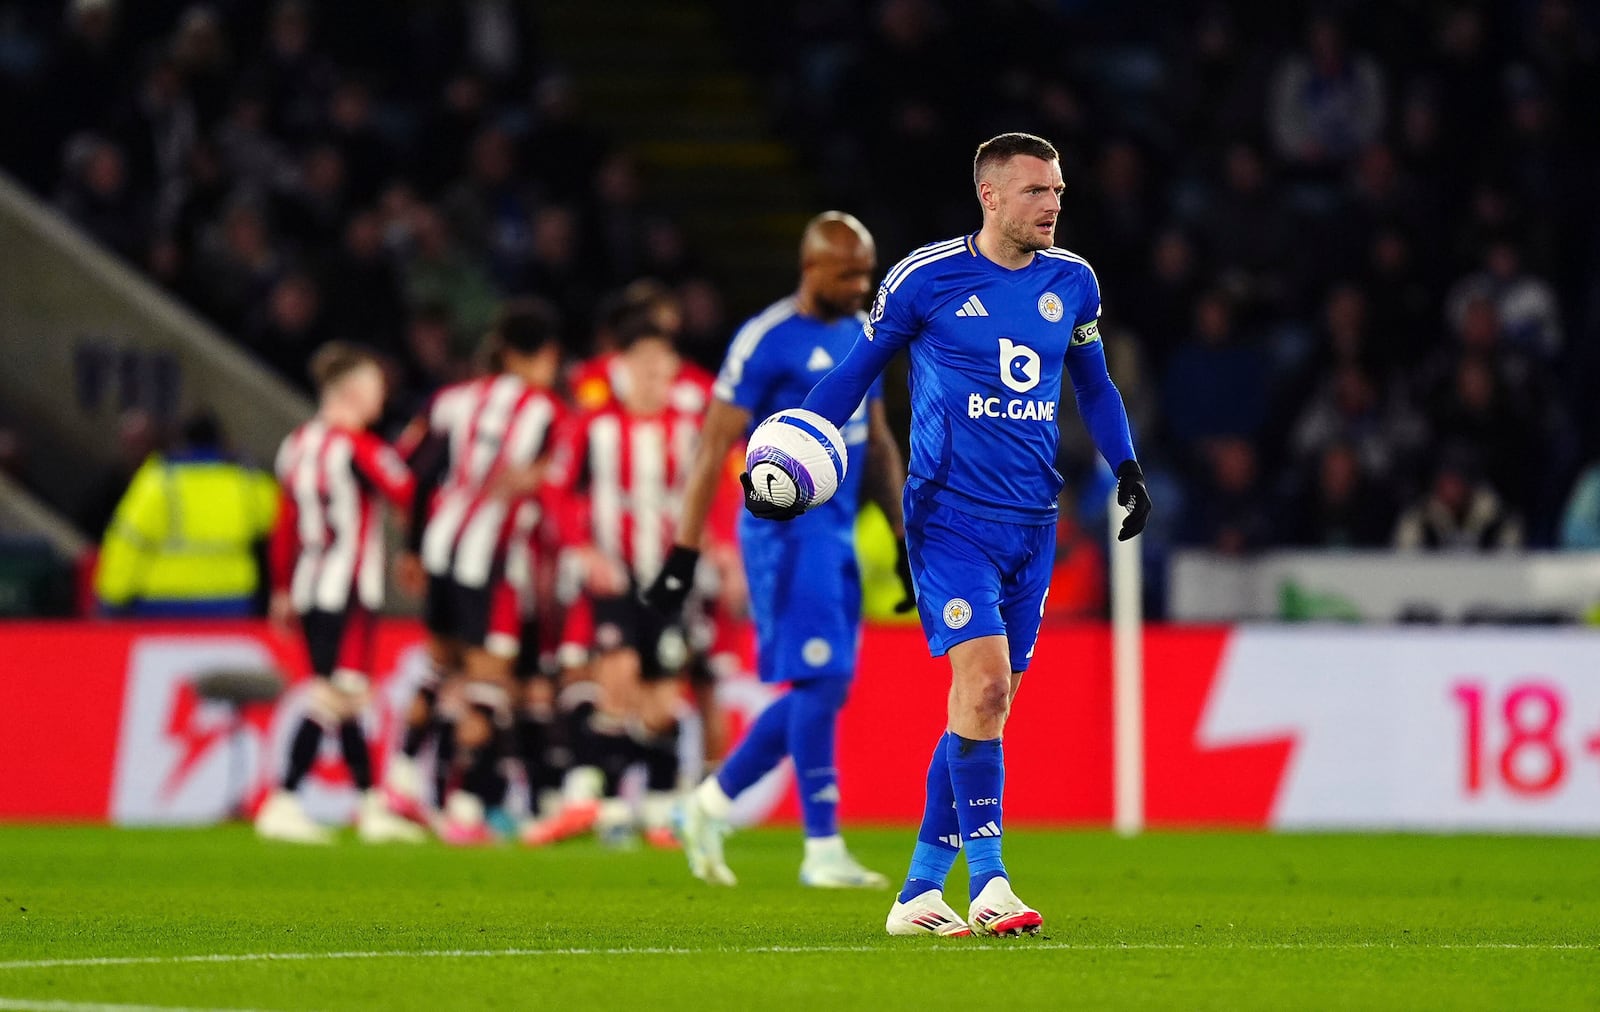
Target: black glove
{"points": [[902, 569], [666, 593], [763, 509], [1132, 495]]}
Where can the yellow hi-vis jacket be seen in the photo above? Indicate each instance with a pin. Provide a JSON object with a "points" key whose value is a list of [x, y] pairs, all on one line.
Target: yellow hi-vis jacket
{"points": [[183, 539], [876, 553]]}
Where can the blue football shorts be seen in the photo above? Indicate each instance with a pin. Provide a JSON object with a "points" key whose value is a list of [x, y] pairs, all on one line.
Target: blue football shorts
{"points": [[977, 577], [805, 597]]}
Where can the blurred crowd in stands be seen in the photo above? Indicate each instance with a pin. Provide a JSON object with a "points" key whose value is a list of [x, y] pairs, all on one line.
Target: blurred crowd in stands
{"points": [[1350, 252], [382, 172]]}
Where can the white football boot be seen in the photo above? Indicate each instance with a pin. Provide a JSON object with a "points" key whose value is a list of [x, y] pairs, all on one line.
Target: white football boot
{"points": [[997, 911], [613, 825], [655, 820], [283, 818], [573, 814], [379, 824], [402, 788], [462, 822], [702, 822], [828, 865], [926, 914]]}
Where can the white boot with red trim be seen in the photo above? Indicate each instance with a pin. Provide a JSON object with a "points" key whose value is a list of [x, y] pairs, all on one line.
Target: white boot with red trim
{"points": [[997, 911], [926, 914]]}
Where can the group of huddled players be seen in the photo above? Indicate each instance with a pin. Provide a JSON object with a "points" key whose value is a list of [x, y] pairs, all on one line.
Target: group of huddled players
{"points": [[534, 520]]}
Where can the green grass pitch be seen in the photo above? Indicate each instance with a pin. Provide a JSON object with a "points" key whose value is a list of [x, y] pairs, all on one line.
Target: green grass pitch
{"points": [[96, 918]]}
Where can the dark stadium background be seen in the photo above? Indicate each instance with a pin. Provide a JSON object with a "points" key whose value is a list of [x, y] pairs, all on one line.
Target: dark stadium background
{"points": [[1410, 276], [1350, 256]]}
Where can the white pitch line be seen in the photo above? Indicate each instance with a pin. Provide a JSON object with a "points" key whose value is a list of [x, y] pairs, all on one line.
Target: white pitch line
{"points": [[40, 1005], [1019, 946]]}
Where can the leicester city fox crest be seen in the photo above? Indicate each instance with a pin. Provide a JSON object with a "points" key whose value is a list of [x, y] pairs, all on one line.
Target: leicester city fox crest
{"points": [[957, 613], [1051, 308]]}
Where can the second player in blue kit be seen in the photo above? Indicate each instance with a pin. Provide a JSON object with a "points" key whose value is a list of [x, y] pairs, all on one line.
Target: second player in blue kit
{"points": [[993, 322], [805, 590]]}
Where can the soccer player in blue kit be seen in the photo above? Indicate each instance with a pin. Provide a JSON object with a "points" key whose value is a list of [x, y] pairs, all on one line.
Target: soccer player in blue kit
{"points": [[805, 590], [991, 320]]}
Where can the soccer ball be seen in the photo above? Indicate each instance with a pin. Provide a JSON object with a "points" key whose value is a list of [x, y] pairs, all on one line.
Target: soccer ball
{"points": [[796, 456]]}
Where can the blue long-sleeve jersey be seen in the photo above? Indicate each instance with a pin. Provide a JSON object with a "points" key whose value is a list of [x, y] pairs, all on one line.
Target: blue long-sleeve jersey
{"points": [[988, 347]]}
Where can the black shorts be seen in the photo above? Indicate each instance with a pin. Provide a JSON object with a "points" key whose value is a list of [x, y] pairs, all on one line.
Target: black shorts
{"points": [[339, 640], [626, 623], [484, 616], [533, 661], [699, 673]]}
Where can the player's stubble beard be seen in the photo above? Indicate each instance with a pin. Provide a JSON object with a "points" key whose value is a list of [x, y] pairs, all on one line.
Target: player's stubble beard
{"points": [[1021, 235], [837, 309]]}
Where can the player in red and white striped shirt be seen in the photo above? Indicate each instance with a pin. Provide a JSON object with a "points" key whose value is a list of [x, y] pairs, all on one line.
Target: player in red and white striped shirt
{"points": [[327, 570], [621, 470], [597, 383], [475, 549]]}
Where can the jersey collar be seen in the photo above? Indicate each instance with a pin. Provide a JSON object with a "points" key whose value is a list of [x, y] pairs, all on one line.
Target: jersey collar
{"points": [[1007, 272]]}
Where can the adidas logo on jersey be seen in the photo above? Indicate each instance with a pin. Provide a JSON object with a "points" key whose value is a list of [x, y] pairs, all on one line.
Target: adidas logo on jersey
{"points": [[987, 829], [819, 360], [972, 307]]}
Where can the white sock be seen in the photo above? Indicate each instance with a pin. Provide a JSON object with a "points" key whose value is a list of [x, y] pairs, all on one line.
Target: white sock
{"points": [[464, 808], [655, 812], [824, 847], [583, 783], [403, 776], [714, 800], [549, 801]]}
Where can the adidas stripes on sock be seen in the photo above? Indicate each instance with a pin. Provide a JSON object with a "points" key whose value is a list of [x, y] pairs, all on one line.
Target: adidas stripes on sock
{"points": [[977, 779]]}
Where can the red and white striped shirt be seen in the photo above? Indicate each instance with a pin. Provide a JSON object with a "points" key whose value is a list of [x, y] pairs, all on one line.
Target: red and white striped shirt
{"points": [[492, 425], [622, 477], [329, 537]]}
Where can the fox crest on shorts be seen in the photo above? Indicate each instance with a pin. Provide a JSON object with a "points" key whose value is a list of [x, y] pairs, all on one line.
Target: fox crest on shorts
{"points": [[796, 456]]}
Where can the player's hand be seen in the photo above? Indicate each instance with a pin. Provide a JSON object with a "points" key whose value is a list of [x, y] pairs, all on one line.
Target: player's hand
{"points": [[1134, 497], [409, 575], [759, 507], [603, 575], [280, 612], [902, 569], [516, 482], [667, 592]]}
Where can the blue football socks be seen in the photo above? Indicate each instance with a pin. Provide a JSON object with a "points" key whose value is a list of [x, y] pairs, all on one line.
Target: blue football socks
{"points": [[803, 723], [977, 779], [939, 838], [813, 725], [763, 747]]}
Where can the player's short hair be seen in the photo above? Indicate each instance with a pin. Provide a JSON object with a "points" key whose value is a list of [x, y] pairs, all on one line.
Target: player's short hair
{"points": [[645, 292], [338, 359], [527, 325], [638, 328], [1001, 149]]}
